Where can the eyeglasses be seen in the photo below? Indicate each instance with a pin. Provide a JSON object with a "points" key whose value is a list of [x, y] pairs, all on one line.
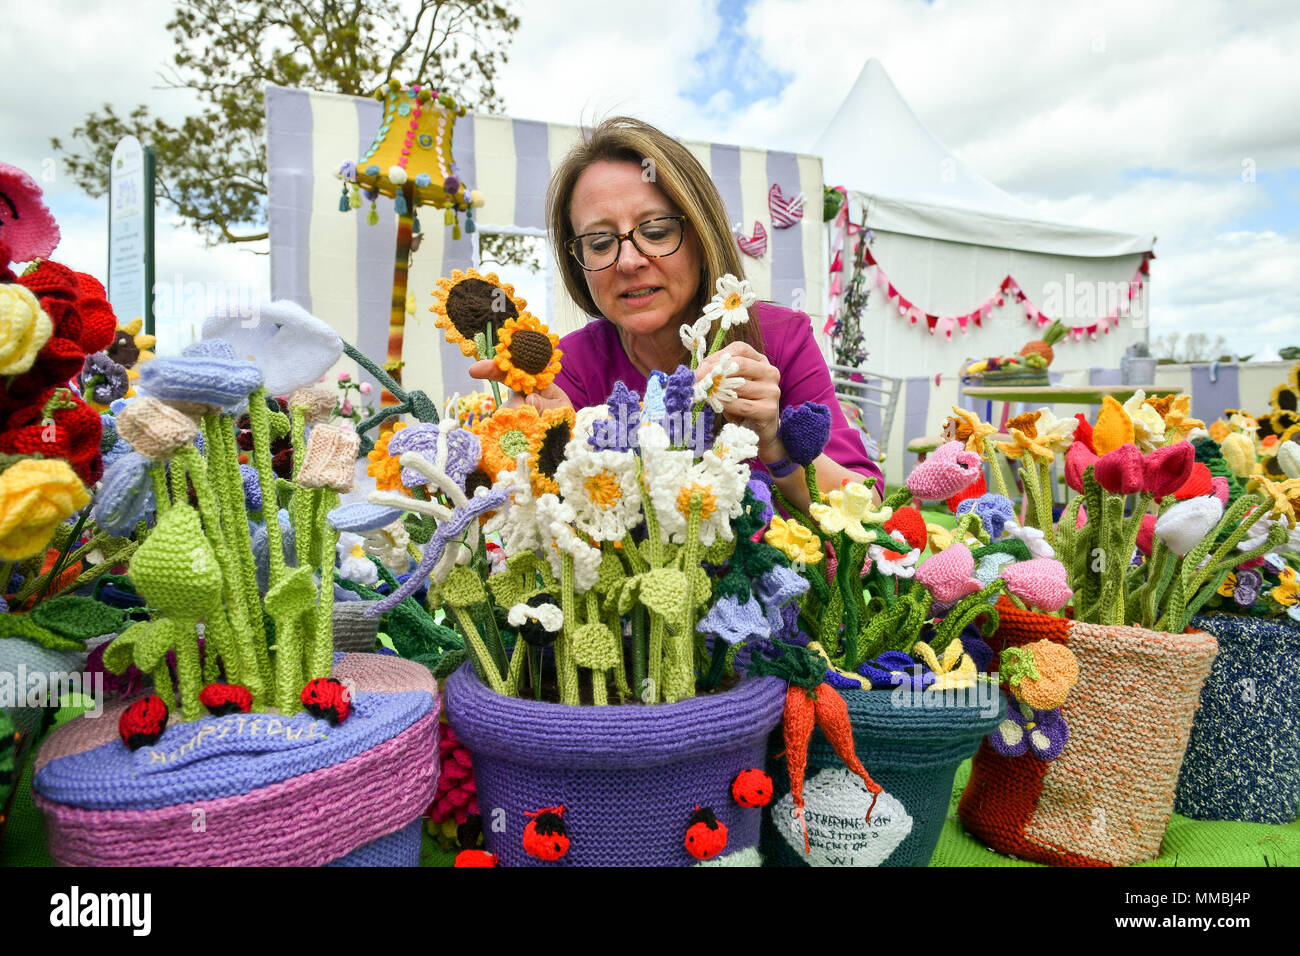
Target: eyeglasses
{"points": [[654, 239]]}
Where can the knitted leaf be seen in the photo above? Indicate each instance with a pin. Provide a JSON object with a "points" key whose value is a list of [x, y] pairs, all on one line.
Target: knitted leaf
{"points": [[22, 625], [144, 644], [702, 587], [295, 594], [592, 647], [176, 569], [78, 618], [462, 589], [663, 591]]}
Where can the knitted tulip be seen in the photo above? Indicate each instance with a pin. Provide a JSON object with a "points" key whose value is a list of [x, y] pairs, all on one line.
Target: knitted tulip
{"points": [[1120, 471], [1220, 489], [950, 574], [945, 471], [1199, 483], [1146, 534], [1077, 460], [1083, 432], [1239, 453], [123, 495], [1113, 429], [1288, 458], [1041, 583], [155, 430], [1167, 469], [1184, 525], [804, 431]]}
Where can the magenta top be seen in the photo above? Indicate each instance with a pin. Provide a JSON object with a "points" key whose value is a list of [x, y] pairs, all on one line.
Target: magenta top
{"points": [[594, 360]]}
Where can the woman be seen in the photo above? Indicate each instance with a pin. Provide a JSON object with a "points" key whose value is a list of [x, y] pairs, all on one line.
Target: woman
{"points": [[641, 236]]}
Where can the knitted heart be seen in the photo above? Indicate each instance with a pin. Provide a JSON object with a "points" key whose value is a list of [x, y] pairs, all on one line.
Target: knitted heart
{"points": [[755, 247], [1167, 469], [1039, 582], [1187, 523], [1078, 459], [1146, 534], [1198, 484], [1120, 471], [785, 212]]}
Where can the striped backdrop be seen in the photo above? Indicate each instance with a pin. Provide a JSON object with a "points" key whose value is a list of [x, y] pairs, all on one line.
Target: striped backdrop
{"points": [[341, 269]]}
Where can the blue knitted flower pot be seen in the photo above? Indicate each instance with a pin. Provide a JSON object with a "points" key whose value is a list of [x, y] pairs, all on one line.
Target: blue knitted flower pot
{"points": [[1243, 759], [911, 749]]}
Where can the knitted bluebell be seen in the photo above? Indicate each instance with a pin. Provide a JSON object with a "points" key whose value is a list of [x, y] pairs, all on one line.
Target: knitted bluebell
{"points": [[103, 379], [733, 621], [203, 379], [125, 494], [262, 550], [990, 565], [618, 432], [994, 512], [362, 516], [252, 487], [789, 628], [679, 393], [777, 587], [705, 431], [760, 485], [805, 429], [654, 409]]}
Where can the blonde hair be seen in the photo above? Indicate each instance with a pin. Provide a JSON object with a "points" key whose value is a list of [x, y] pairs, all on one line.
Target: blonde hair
{"points": [[683, 180]]}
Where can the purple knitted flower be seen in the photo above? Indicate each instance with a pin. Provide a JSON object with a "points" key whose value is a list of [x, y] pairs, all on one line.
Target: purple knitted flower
{"points": [[679, 393], [618, 432], [1043, 731], [760, 484], [896, 669], [776, 588], [125, 494], [206, 373], [731, 621], [463, 451], [805, 429], [103, 378], [1246, 590], [994, 512], [252, 487]]}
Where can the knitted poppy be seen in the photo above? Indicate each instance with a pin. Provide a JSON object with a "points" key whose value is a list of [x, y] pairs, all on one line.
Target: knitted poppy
{"points": [[29, 229], [909, 521]]}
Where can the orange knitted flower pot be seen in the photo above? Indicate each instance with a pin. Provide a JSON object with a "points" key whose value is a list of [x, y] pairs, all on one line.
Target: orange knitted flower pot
{"points": [[1107, 799]]}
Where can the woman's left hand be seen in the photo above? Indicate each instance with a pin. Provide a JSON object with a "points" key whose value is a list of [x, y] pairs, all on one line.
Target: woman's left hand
{"points": [[757, 405]]}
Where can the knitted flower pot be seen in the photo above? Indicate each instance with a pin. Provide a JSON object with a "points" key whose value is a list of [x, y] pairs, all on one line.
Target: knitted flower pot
{"points": [[1106, 799], [911, 747], [252, 789], [629, 778], [1243, 759]]}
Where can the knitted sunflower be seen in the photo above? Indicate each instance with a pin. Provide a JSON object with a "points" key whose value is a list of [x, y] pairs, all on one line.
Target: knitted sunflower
{"points": [[468, 303], [557, 431], [386, 471], [508, 433], [527, 353]]}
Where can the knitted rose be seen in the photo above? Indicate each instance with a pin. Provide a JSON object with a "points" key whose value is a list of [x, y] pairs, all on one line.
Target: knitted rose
{"points": [[1187, 523], [98, 322], [949, 575], [1078, 459], [1167, 469], [24, 329], [1039, 582], [1120, 471], [58, 424], [36, 495], [946, 471], [155, 430], [330, 458]]}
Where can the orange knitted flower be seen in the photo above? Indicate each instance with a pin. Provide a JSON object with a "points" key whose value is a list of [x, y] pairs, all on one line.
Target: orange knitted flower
{"points": [[467, 303], [507, 434], [527, 353], [1113, 428], [386, 471]]}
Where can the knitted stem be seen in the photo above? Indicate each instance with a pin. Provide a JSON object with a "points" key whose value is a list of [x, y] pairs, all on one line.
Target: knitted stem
{"points": [[640, 649], [287, 670], [259, 421], [189, 673], [782, 502], [846, 580], [1177, 606], [6, 572], [651, 525], [57, 568], [899, 498], [162, 500], [65, 561], [298, 434], [1045, 500], [680, 683], [810, 479], [321, 658], [995, 465], [180, 493], [1161, 571], [651, 694], [1111, 608], [1029, 476], [491, 353], [717, 664], [966, 611], [1235, 519], [620, 668], [220, 442], [1089, 584], [162, 684], [474, 642], [1067, 534], [516, 671], [566, 670]]}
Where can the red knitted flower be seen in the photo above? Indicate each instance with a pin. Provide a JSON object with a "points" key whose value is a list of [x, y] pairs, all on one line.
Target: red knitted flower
{"points": [[98, 322], [974, 490], [457, 795], [57, 425], [909, 521], [1200, 483]]}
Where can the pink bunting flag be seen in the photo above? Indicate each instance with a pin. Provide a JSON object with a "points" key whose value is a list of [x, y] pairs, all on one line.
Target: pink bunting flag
{"points": [[945, 326], [837, 265]]}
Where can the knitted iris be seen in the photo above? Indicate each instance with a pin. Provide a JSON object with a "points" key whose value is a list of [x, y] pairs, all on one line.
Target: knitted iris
{"points": [[994, 512], [206, 373], [805, 430], [897, 669], [460, 446], [103, 378]]}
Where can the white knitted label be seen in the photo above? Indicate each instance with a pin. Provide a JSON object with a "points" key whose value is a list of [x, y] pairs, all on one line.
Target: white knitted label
{"points": [[835, 809]]}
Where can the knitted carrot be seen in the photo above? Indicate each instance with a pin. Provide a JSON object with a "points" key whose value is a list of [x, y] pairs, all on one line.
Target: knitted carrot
{"points": [[833, 718]]}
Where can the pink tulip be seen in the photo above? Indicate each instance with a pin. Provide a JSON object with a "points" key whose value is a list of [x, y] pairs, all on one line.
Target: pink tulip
{"points": [[1120, 471], [947, 470], [1220, 486], [949, 575], [1040, 583], [1077, 460], [1167, 469], [1146, 534]]}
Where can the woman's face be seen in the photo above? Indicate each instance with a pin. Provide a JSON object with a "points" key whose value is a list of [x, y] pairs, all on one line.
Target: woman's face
{"points": [[642, 296]]}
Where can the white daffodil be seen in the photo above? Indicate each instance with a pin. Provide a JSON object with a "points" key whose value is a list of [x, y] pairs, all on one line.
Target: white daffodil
{"points": [[548, 615], [719, 384], [731, 302], [602, 488], [695, 337], [354, 565], [1148, 425], [1033, 538], [1058, 433]]}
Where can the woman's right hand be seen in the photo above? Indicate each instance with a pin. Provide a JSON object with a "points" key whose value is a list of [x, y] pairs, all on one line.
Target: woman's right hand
{"points": [[550, 397]]}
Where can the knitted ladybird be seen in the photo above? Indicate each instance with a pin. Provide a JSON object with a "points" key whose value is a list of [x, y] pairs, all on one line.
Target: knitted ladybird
{"points": [[706, 835], [327, 697], [143, 722], [475, 858], [222, 699], [752, 788], [545, 836]]}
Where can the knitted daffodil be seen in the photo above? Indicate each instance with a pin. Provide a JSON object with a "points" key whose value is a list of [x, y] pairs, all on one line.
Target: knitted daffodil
{"points": [[1285, 496], [24, 329], [1113, 428], [36, 496], [1039, 433], [528, 354], [1148, 424], [955, 670], [603, 489], [845, 511], [1177, 414], [966, 427], [795, 540], [1238, 450]]}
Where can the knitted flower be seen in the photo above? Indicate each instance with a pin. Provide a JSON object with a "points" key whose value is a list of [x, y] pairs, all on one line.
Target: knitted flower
{"points": [[731, 621], [949, 575], [36, 496], [508, 434], [124, 494], [202, 377], [1033, 539], [795, 540], [57, 424], [1120, 471], [994, 512], [1044, 732], [453, 450], [1039, 434], [291, 347], [966, 427], [603, 489], [28, 228], [528, 353], [155, 430], [845, 510], [102, 379], [900, 563], [776, 588], [956, 670], [805, 429], [24, 329], [1148, 423], [468, 303], [1239, 452], [1041, 583], [539, 620], [384, 467], [1243, 587], [1187, 523], [1113, 428], [731, 302], [910, 524], [1041, 673], [317, 404], [718, 385], [945, 471], [675, 481], [1177, 415], [360, 516], [896, 669], [1167, 469], [1288, 458], [614, 425], [695, 337], [329, 460], [555, 518], [1285, 496], [1287, 592], [354, 565]]}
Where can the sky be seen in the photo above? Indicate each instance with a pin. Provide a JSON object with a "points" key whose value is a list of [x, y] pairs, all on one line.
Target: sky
{"points": [[1178, 119]]}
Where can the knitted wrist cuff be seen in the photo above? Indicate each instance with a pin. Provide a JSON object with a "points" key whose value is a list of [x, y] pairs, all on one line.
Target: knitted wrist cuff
{"points": [[782, 467]]}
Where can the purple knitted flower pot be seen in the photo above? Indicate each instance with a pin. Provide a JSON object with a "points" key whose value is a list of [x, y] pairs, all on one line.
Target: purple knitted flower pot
{"points": [[629, 777]]}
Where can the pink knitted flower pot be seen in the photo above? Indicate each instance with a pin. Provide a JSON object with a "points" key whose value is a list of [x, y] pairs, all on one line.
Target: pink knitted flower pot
{"points": [[252, 789]]}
